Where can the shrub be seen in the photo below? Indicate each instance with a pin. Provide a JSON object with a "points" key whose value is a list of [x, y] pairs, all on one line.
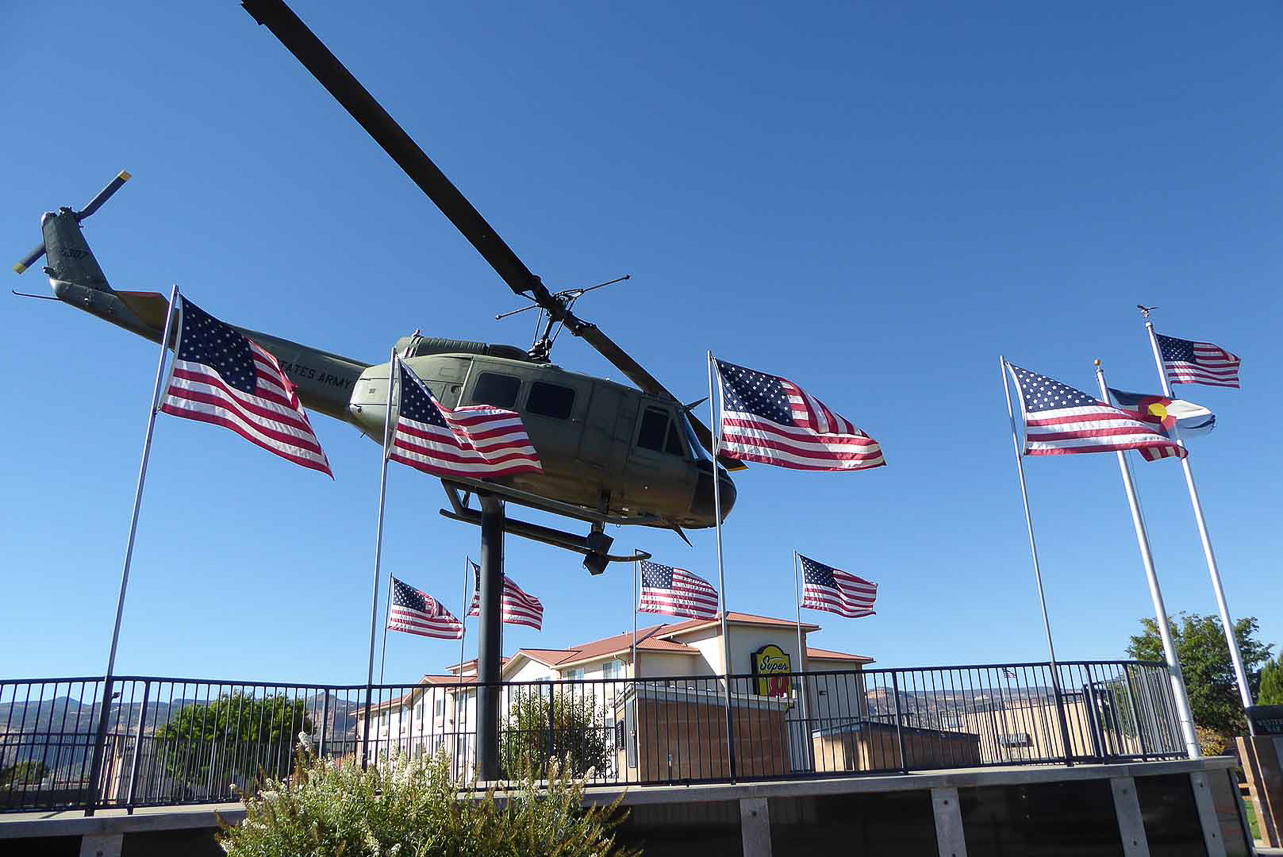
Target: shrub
{"points": [[412, 808], [574, 731], [28, 773]]}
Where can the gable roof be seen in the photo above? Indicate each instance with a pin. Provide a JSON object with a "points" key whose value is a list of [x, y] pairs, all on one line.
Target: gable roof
{"points": [[826, 655], [734, 618]]}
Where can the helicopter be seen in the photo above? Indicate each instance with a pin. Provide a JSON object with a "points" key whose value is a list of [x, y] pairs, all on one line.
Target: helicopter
{"points": [[611, 454]]}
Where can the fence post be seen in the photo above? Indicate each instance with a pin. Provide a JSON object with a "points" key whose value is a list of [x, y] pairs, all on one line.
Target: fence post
{"points": [[100, 747], [1060, 715], [325, 724], [138, 743], [552, 726], [899, 731], [1131, 703]]}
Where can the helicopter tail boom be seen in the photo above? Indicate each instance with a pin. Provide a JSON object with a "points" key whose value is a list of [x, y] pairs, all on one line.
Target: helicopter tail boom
{"points": [[324, 380]]}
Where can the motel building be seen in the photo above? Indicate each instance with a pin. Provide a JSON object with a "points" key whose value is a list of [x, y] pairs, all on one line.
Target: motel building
{"points": [[670, 725]]}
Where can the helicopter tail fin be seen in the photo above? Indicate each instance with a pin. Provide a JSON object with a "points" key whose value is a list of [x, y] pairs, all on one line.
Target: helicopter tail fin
{"points": [[68, 253], [77, 279]]}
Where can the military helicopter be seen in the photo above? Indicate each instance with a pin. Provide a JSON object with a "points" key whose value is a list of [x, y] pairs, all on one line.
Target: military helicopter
{"points": [[611, 454]]}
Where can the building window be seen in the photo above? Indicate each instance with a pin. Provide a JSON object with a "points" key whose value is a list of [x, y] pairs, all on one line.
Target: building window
{"points": [[612, 669], [551, 400], [576, 674], [495, 389], [439, 709]]}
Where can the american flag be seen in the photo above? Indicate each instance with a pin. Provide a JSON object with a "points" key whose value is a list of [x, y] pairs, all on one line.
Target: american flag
{"points": [[1061, 420], [518, 607], [676, 592], [1189, 362], [222, 377], [773, 421], [475, 440], [835, 591], [416, 612]]}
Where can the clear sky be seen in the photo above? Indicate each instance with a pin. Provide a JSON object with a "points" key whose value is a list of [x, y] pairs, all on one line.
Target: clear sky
{"points": [[872, 200]]}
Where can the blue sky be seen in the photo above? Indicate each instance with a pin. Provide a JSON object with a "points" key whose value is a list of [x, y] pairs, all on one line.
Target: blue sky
{"points": [[872, 200]]}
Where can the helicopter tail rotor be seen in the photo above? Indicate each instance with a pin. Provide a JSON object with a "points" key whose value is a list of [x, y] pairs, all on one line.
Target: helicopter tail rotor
{"points": [[94, 204]]}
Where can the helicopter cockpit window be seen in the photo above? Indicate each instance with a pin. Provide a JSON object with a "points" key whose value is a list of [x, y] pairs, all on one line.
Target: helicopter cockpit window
{"points": [[551, 400], [658, 433], [672, 445], [495, 389]]}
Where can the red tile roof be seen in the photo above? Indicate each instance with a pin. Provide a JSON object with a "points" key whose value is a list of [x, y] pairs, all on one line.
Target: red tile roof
{"points": [[734, 618], [826, 655]]}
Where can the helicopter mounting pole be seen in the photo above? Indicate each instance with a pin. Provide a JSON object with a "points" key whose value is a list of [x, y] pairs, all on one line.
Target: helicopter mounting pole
{"points": [[489, 640]]}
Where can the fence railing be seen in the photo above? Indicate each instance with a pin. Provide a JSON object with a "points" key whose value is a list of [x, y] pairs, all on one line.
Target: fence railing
{"points": [[175, 741]]}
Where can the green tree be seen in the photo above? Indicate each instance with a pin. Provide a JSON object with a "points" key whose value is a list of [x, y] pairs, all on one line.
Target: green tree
{"points": [[1205, 662], [232, 739], [1271, 692], [573, 731], [28, 773]]}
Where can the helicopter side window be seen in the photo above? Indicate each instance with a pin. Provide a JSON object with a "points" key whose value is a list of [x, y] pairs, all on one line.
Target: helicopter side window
{"points": [[654, 427], [658, 433], [551, 400], [495, 389]]}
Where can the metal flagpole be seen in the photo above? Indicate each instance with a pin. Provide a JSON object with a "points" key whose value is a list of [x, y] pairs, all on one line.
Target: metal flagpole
{"points": [[387, 606], [100, 740], [1160, 611], [378, 557], [636, 574], [721, 570], [801, 657], [1236, 656], [1033, 551], [463, 617]]}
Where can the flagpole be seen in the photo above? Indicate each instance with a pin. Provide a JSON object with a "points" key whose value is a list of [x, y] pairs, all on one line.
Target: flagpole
{"points": [[715, 430], [463, 617], [1033, 551], [103, 715], [378, 557], [801, 657], [1236, 656], [636, 574], [1164, 626], [387, 606]]}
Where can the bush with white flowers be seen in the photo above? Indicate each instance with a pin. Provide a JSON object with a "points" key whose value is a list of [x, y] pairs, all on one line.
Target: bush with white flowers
{"points": [[412, 808]]}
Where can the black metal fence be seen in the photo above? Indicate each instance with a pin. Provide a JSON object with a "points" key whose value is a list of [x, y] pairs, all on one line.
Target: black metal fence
{"points": [[174, 741]]}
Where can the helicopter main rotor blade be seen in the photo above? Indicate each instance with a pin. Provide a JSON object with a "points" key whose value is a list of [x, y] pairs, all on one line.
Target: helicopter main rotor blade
{"points": [[379, 124], [299, 40]]}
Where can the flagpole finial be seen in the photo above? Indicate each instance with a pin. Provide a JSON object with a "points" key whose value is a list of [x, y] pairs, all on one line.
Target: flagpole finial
{"points": [[1097, 361]]}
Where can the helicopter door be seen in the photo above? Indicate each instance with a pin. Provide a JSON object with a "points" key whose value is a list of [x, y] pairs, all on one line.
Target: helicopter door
{"points": [[597, 439], [659, 475]]}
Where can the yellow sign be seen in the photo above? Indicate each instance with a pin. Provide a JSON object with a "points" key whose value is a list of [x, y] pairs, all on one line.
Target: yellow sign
{"points": [[772, 666]]}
